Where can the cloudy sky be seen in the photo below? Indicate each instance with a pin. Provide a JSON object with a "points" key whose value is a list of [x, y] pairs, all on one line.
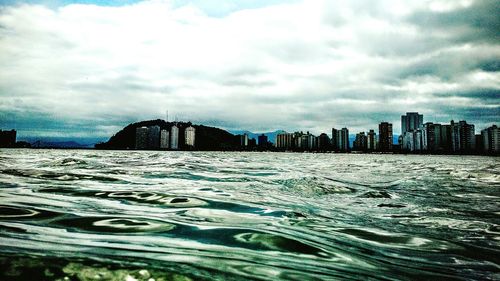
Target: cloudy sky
{"points": [[88, 68]]}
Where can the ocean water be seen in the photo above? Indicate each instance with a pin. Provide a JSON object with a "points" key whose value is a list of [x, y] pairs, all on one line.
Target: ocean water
{"points": [[141, 215]]}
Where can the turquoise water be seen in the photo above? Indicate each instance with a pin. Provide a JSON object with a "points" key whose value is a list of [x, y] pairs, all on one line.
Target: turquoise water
{"points": [[128, 215]]}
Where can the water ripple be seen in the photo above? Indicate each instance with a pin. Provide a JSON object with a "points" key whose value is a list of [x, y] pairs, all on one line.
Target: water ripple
{"points": [[130, 215]]}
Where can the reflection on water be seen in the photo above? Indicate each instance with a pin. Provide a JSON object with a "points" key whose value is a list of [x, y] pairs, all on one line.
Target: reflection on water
{"points": [[127, 215]]}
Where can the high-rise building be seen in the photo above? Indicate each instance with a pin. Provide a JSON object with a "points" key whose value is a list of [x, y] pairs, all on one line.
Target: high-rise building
{"points": [[174, 137], [323, 142], [491, 139], [413, 140], [343, 139], [438, 145], [371, 141], [285, 140], [243, 139], [141, 138], [418, 140], [7, 138], [154, 137], [468, 135], [430, 140], [445, 138], [335, 139], [463, 137], [304, 142], [252, 142], [406, 141], [294, 140], [189, 134], [297, 140], [279, 142], [360, 143], [164, 139], [385, 136], [411, 121], [311, 141], [479, 143], [262, 139]]}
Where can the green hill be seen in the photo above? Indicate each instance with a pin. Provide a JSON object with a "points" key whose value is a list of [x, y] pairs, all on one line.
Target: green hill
{"points": [[207, 138]]}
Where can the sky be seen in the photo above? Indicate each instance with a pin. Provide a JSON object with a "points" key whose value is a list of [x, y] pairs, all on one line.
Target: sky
{"points": [[88, 68]]}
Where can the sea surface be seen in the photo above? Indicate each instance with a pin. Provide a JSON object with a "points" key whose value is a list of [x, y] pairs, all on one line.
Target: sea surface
{"points": [[145, 215]]}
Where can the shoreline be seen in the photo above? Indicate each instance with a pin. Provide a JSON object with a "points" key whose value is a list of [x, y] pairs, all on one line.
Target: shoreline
{"points": [[355, 152]]}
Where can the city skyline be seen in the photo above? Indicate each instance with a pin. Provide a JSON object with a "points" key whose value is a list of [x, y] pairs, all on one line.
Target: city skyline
{"points": [[350, 136], [260, 66], [429, 137], [419, 137]]}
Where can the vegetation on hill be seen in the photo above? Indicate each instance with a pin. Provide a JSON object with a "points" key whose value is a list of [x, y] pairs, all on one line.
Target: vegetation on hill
{"points": [[207, 138]]}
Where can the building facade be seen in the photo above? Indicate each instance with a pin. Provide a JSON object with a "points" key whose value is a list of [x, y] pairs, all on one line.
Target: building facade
{"points": [[243, 140], [174, 137], [371, 140], [385, 136], [297, 141], [445, 137], [164, 139], [491, 139], [189, 135], [252, 142], [430, 138], [411, 121], [335, 139], [141, 138], [154, 137], [463, 137], [312, 142], [360, 142], [343, 140], [262, 139], [284, 140], [413, 141]]}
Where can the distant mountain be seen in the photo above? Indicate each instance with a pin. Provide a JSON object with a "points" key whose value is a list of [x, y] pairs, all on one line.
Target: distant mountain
{"points": [[271, 136], [61, 144], [395, 139], [207, 138]]}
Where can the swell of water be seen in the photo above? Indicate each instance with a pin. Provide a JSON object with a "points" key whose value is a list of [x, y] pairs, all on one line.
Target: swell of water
{"points": [[113, 215]]}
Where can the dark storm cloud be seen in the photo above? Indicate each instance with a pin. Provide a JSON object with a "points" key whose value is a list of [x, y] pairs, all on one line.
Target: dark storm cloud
{"points": [[484, 95], [478, 22], [452, 63], [490, 66]]}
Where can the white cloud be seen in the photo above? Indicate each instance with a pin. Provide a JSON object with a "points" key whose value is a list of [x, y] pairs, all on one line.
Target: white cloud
{"points": [[309, 65]]}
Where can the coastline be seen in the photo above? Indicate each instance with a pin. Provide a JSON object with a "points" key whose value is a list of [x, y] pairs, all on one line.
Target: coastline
{"points": [[354, 152]]}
